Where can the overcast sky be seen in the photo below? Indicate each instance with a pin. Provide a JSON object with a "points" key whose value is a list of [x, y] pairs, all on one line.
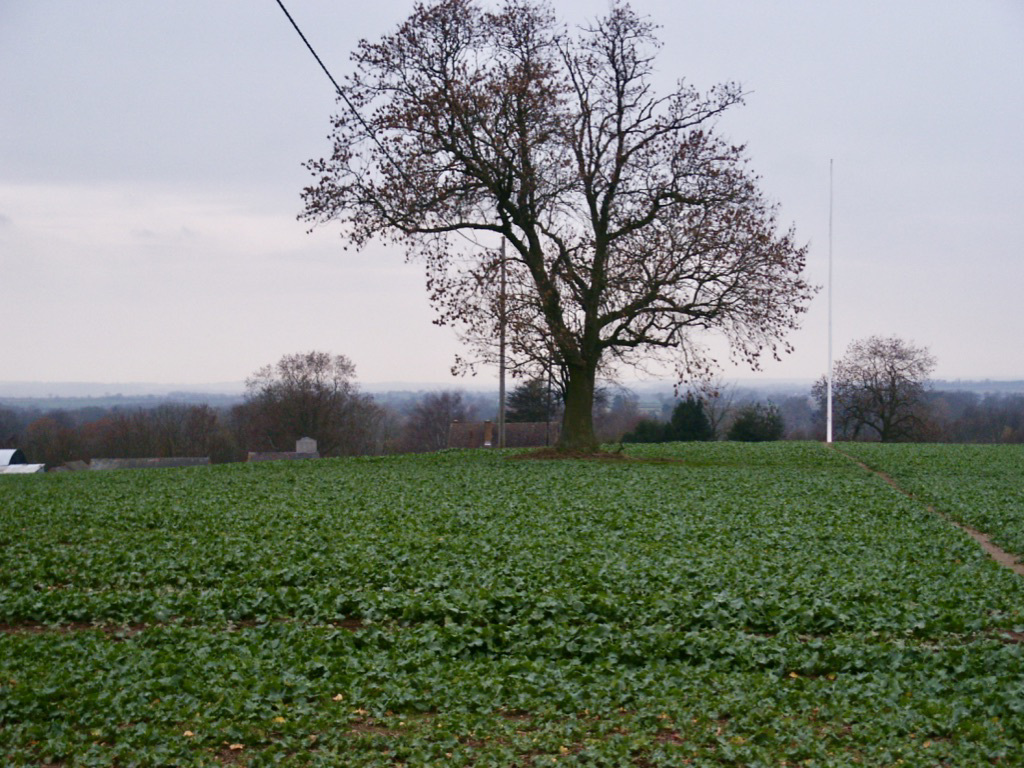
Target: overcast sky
{"points": [[150, 170]]}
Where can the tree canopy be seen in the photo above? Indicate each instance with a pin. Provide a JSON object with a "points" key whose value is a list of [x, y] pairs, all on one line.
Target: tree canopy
{"points": [[757, 423], [531, 400], [878, 389], [308, 394], [630, 224], [690, 421]]}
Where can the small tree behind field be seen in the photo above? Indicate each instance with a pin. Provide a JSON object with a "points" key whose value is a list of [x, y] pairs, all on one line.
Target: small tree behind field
{"points": [[647, 431], [757, 423], [533, 400], [431, 418], [310, 394], [52, 440], [878, 390], [690, 421]]}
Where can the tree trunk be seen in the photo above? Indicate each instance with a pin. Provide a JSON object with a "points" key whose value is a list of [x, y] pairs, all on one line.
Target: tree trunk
{"points": [[578, 419]]}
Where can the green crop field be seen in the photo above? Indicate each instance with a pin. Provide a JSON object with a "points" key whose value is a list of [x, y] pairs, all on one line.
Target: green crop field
{"points": [[705, 604], [979, 485]]}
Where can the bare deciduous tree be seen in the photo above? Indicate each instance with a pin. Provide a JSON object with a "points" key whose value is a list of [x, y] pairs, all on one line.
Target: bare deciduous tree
{"points": [[717, 396], [630, 223], [311, 394], [878, 388], [51, 439], [431, 419]]}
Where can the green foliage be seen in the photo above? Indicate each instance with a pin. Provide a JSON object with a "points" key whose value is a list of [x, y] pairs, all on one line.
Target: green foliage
{"points": [[532, 400], [647, 431], [689, 421], [718, 603], [757, 423]]}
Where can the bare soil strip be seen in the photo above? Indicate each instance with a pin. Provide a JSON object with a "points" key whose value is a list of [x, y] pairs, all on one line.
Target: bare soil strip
{"points": [[124, 631], [1000, 555]]}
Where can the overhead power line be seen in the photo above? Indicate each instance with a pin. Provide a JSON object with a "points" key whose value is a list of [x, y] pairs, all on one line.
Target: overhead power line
{"points": [[341, 94], [348, 103], [315, 56]]}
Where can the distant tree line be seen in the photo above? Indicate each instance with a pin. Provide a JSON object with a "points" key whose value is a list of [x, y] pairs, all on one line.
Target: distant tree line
{"points": [[944, 417], [712, 417], [315, 395], [417, 422], [170, 429]]}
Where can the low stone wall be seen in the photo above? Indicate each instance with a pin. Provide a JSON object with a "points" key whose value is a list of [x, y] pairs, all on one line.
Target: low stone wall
{"points": [[280, 455], [484, 434], [171, 462]]}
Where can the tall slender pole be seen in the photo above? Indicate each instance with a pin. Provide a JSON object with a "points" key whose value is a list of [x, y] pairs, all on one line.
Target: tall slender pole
{"points": [[547, 405], [501, 351], [828, 429]]}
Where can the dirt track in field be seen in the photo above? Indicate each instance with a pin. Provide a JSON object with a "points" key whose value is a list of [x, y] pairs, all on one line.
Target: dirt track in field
{"points": [[1000, 555]]}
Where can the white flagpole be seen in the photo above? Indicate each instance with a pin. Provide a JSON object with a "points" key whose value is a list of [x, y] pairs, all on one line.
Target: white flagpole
{"points": [[501, 351], [828, 429]]}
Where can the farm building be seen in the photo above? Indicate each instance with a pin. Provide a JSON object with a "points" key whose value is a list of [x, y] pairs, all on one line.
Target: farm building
{"points": [[13, 462]]}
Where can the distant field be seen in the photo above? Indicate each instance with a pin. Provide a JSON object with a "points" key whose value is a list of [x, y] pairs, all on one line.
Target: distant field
{"points": [[708, 604]]}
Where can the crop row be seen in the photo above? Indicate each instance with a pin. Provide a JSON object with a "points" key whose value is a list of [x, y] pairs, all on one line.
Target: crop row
{"points": [[304, 695]]}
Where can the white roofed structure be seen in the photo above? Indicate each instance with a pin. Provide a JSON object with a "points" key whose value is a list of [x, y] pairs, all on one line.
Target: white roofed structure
{"points": [[12, 462], [21, 469], [10, 456]]}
